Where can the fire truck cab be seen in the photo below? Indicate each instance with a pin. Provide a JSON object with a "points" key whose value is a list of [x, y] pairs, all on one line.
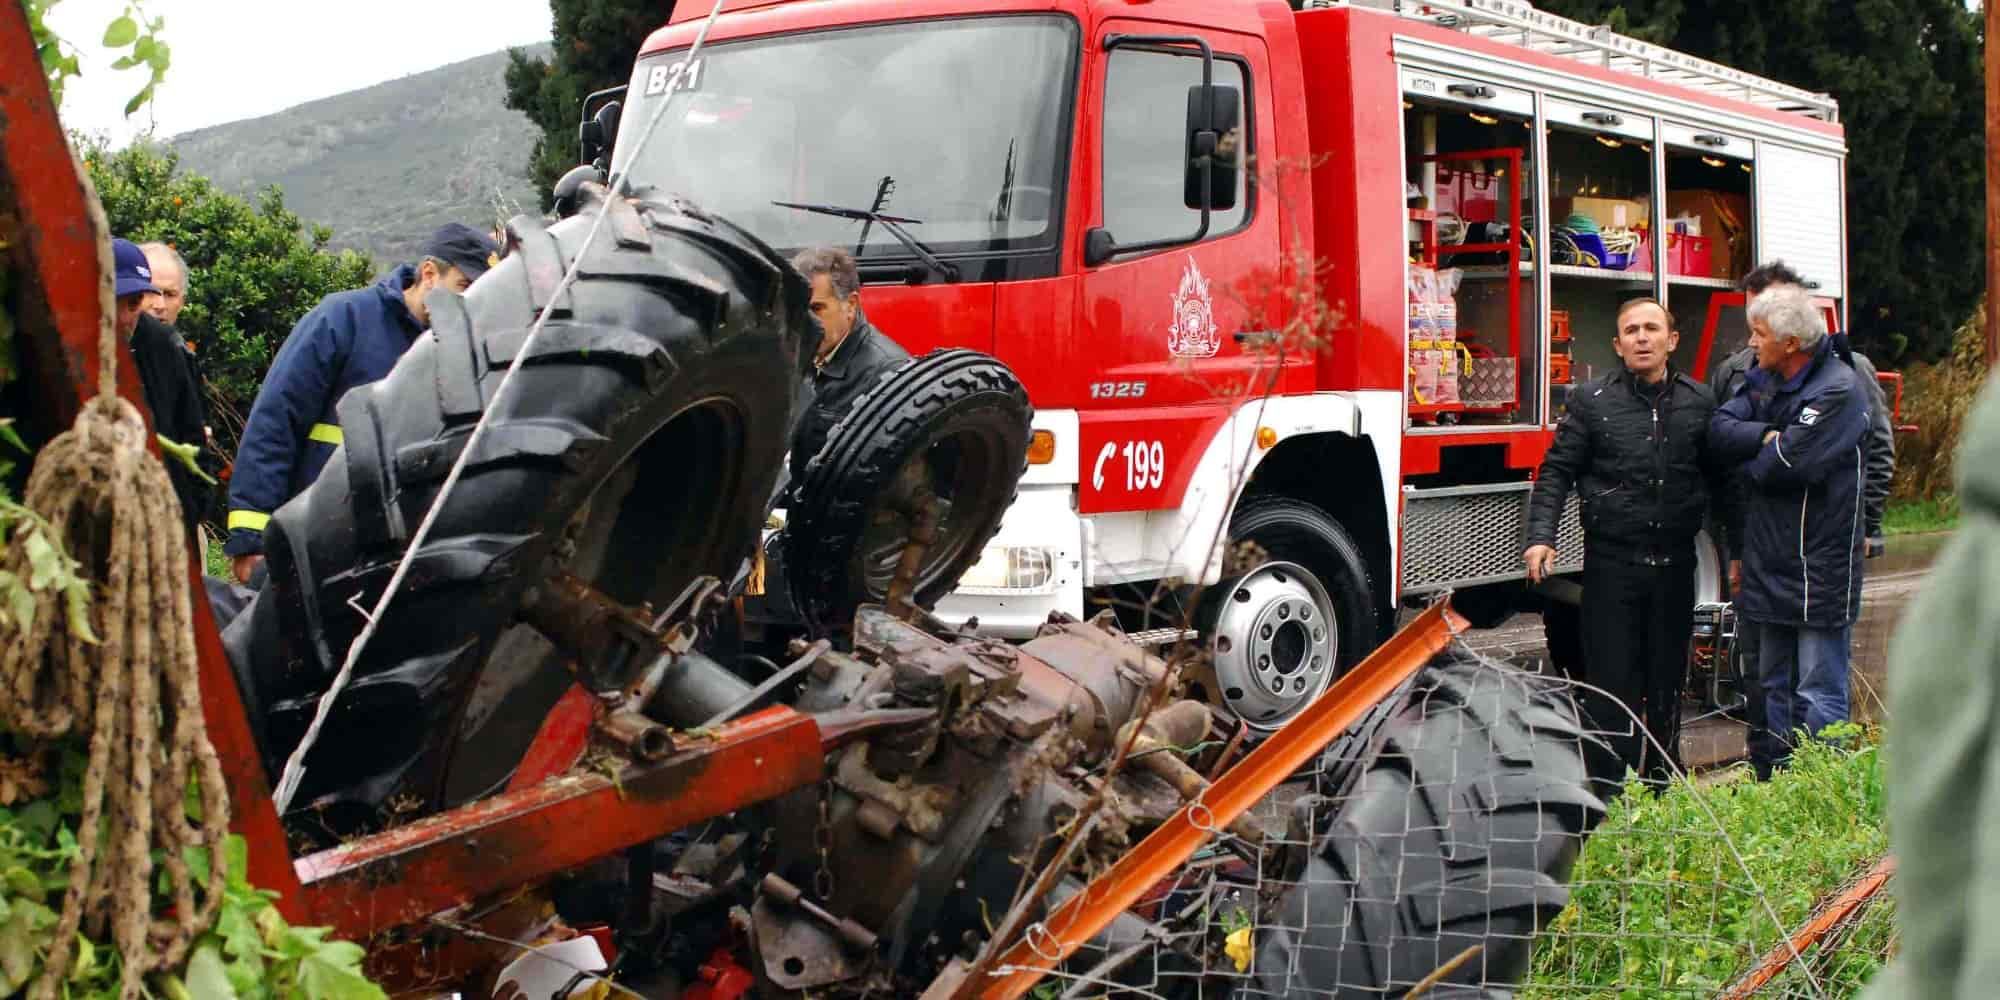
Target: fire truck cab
{"points": [[1122, 199]]}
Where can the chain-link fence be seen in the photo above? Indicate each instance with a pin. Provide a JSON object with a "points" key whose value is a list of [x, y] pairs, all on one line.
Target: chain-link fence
{"points": [[1470, 838]]}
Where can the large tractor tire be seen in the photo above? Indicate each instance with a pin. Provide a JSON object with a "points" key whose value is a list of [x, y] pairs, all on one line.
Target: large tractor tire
{"points": [[1283, 630], [1457, 827], [634, 449], [951, 425]]}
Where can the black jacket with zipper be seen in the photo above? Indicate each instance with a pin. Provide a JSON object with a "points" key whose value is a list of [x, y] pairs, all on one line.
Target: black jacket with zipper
{"points": [[856, 365], [1640, 466]]}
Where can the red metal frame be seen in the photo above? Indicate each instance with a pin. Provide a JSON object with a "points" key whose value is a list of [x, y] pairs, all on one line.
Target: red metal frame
{"points": [[406, 874], [63, 308]]}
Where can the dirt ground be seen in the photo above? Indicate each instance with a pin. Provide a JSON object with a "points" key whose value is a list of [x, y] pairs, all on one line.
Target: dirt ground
{"points": [[1710, 740]]}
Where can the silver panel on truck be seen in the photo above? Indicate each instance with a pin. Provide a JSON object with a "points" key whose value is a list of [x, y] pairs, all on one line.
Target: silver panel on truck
{"points": [[1800, 214], [1463, 536]]}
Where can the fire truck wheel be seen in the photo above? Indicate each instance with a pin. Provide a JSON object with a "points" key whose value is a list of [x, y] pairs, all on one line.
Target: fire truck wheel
{"points": [[1469, 810], [633, 449], [950, 427], [1286, 629]]}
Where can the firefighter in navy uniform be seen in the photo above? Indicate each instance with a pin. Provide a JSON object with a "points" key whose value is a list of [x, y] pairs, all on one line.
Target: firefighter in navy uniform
{"points": [[350, 339], [1633, 445]]}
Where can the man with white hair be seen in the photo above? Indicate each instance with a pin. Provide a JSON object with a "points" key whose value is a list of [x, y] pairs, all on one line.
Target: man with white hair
{"points": [[1798, 426]]}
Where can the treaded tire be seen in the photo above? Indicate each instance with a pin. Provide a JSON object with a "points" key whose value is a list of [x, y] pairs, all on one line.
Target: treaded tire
{"points": [[635, 450], [969, 417], [1294, 531], [1461, 831]]}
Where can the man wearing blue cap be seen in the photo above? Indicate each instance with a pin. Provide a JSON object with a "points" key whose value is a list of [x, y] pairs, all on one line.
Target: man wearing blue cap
{"points": [[179, 413], [350, 339]]}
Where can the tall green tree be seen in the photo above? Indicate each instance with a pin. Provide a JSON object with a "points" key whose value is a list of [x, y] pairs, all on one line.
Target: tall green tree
{"points": [[256, 268], [595, 44], [1907, 75]]}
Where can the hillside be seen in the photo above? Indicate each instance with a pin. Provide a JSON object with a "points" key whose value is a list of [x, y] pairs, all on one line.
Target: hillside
{"points": [[385, 165]]}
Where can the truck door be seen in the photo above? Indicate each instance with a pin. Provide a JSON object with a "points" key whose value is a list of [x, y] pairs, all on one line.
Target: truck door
{"points": [[1157, 353]]}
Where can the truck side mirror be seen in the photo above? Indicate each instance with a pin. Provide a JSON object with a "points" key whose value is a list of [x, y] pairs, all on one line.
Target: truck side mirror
{"points": [[599, 132], [1214, 147]]}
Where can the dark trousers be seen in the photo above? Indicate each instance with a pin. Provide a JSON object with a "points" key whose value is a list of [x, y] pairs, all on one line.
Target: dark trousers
{"points": [[1637, 622]]}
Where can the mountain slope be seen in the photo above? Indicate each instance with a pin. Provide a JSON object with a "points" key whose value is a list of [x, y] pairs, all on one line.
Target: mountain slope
{"points": [[385, 165]]}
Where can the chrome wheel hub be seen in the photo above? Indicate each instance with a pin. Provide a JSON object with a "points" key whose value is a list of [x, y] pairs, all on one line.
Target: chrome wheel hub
{"points": [[1275, 642]]}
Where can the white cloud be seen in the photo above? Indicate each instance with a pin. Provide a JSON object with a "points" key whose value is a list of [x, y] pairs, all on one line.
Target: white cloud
{"points": [[236, 59]]}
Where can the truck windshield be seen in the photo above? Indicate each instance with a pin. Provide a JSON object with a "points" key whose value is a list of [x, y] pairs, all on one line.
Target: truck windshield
{"points": [[958, 125]]}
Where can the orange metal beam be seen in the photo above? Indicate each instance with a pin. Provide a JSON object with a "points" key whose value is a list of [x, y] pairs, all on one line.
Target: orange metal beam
{"points": [[1829, 916], [1083, 915]]}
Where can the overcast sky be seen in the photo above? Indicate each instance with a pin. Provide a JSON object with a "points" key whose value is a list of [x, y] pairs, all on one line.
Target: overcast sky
{"points": [[244, 58]]}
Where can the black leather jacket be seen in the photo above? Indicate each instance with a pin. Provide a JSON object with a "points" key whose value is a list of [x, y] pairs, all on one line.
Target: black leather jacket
{"points": [[853, 369], [1642, 470]]}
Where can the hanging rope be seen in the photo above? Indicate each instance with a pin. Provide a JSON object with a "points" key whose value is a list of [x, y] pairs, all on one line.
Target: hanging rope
{"points": [[133, 693]]}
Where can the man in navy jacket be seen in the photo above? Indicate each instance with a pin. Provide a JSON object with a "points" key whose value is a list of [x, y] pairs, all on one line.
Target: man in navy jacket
{"points": [[350, 339], [1798, 424]]}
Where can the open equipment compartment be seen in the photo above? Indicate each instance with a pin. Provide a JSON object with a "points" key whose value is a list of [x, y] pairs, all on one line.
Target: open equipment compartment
{"points": [[1711, 183], [1473, 352]]}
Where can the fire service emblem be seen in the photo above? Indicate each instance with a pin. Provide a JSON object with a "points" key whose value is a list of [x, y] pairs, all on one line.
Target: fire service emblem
{"points": [[1193, 333]]}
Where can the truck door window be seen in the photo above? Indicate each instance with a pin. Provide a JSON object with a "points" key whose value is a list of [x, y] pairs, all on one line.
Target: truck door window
{"points": [[1145, 152]]}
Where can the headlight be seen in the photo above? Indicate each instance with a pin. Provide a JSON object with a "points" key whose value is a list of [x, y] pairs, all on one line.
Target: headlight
{"points": [[1010, 568]]}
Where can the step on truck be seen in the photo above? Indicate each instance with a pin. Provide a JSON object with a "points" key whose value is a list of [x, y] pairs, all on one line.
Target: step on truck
{"points": [[1111, 197]]}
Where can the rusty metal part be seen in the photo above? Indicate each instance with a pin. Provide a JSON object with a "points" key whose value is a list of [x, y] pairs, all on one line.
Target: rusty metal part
{"points": [[1102, 664], [1828, 916], [643, 738], [406, 874], [924, 808], [921, 508], [1181, 724], [796, 952], [1082, 916], [1229, 750], [608, 643], [806, 659], [851, 935], [840, 727]]}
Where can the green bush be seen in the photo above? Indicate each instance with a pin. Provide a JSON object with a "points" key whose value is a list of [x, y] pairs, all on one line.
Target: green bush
{"points": [[250, 954], [256, 268], [1661, 905]]}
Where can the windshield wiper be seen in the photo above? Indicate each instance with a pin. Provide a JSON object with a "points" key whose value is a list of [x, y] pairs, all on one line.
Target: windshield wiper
{"points": [[893, 223]]}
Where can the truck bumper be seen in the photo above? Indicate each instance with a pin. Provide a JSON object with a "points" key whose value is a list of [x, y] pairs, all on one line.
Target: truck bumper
{"points": [[1033, 566]]}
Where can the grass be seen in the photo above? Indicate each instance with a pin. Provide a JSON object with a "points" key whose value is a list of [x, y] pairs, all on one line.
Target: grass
{"points": [[217, 564], [1910, 517], [1661, 905]]}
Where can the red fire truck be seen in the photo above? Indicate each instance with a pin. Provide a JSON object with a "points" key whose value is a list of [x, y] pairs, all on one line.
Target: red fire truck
{"points": [[1108, 195]]}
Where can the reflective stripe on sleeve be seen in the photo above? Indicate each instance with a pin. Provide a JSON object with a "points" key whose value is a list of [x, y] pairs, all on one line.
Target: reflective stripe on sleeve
{"points": [[249, 519], [328, 433]]}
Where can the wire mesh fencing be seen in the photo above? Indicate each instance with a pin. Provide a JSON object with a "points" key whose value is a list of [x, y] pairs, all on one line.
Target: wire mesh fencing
{"points": [[1474, 836]]}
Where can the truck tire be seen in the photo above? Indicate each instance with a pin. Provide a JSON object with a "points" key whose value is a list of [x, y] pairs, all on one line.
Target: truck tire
{"points": [[1264, 627], [967, 418], [635, 450], [1460, 830]]}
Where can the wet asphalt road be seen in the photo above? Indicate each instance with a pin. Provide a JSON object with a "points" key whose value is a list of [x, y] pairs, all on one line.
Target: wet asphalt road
{"points": [[1709, 740]]}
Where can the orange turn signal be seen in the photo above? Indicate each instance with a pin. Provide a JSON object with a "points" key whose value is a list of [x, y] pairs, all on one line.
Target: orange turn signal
{"points": [[1266, 437], [1041, 447]]}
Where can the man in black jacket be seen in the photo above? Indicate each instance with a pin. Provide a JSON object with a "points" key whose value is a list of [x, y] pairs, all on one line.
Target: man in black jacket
{"points": [[852, 353], [179, 412], [1633, 446]]}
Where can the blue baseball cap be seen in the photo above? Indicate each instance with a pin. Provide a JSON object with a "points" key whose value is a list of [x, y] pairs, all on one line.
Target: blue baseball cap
{"points": [[129, 268]]}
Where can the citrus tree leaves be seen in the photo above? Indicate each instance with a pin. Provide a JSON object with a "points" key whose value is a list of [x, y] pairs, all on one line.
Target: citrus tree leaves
{"points": [[132, 31]]}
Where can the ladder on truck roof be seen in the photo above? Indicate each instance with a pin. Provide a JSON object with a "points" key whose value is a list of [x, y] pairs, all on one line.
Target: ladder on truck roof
{"points": [[1521, 24]]}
